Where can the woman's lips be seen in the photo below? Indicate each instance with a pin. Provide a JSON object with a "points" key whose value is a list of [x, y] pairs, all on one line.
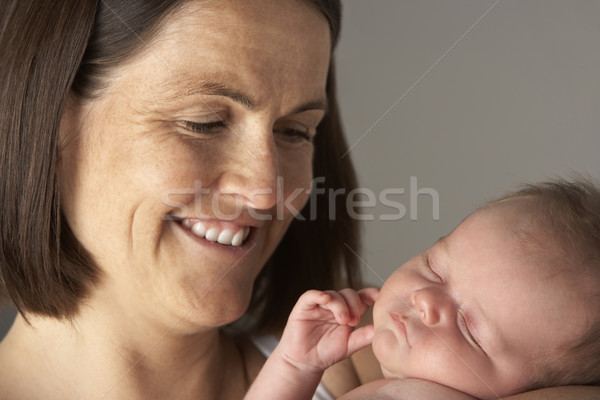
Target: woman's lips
{"points": [[230, 236], [227, 234], [223, 239], [401, 327]]}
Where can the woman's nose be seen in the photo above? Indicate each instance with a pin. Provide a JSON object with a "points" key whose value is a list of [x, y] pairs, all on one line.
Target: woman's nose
{"points": [[432, 305], [252, 175]]}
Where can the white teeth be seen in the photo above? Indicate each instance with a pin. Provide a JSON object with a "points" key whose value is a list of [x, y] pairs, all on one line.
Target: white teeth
{"points": [[238, 238], [199, 229], [212, 234], [225, 237]]}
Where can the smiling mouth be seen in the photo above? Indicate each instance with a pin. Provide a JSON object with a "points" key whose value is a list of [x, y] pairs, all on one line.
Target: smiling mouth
{"points": [[234, 237]]}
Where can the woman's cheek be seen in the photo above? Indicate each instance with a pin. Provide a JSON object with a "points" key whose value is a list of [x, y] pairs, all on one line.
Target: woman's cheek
{"points": [[295, 180]]}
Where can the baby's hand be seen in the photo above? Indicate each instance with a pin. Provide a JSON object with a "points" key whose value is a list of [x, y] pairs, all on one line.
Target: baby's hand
{"points": [[321, 328]]}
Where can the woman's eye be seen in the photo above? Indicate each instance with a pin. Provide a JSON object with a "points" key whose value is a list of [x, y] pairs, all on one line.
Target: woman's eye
{"points": [[204, 127], [293, 132]]}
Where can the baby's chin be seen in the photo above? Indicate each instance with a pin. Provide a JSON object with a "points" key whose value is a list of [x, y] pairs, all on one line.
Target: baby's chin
{"points": [[383, 341]]}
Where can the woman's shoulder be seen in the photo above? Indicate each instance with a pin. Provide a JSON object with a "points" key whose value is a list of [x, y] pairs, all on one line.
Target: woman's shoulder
{"points": [[21, 376], [13, 385]]}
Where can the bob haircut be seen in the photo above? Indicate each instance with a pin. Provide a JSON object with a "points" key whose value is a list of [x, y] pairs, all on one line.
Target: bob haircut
{"points": [[50, 49]]}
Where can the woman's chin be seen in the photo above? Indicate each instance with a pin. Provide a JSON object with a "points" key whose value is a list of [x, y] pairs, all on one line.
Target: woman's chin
{"points": [[218, 307]]}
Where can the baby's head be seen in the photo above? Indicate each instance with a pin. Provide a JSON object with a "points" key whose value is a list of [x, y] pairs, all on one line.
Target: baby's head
{"points": [[509, 301]]}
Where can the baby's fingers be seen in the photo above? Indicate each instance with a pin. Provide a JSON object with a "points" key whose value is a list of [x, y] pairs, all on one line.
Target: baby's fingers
{"points": [[347, 305], [360, 338], [339, 306], [312, 298], [330, 301], [356, 305], [368, 296]]}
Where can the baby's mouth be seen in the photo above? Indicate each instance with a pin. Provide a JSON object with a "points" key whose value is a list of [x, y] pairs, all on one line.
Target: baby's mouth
{"points": [[213, 232]]}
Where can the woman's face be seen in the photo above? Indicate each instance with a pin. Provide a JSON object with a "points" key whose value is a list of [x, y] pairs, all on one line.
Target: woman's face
{"points": [[204, 134]]}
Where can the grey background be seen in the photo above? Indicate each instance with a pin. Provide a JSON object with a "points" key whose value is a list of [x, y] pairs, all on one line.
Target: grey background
{"points": [[471, 97]]}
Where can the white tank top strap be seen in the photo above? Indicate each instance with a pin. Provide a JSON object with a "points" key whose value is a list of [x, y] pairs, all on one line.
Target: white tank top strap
{"points": [[267, 343]]}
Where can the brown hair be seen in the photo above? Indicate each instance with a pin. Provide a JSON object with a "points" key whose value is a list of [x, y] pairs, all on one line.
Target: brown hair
{"points": [[570, 210], [49, 50]]}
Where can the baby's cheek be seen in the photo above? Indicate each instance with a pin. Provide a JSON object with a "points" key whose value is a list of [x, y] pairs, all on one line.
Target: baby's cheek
{"points": [[387, 351]]}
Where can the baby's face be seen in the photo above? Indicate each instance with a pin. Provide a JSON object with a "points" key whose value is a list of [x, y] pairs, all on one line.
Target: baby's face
{"points": [[479, 309]]}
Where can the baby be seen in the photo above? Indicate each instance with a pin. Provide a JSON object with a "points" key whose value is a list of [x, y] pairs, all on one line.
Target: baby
{"points": [[508, 302]]}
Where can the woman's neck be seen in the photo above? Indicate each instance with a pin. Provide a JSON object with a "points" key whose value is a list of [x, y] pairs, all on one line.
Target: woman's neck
{"points": [[96, 356]]}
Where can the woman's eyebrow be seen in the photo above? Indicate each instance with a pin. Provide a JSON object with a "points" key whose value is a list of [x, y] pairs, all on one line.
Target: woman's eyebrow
{"points": [[311, 105], [179, 89]]}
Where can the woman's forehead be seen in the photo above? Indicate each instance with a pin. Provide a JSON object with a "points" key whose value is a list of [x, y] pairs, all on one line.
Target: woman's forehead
{"points": [[247, 22], [199, 46]]}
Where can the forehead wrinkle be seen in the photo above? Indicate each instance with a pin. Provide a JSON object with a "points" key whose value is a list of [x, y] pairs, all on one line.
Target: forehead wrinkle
{"points": [[211, 23], [180, 88]]}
